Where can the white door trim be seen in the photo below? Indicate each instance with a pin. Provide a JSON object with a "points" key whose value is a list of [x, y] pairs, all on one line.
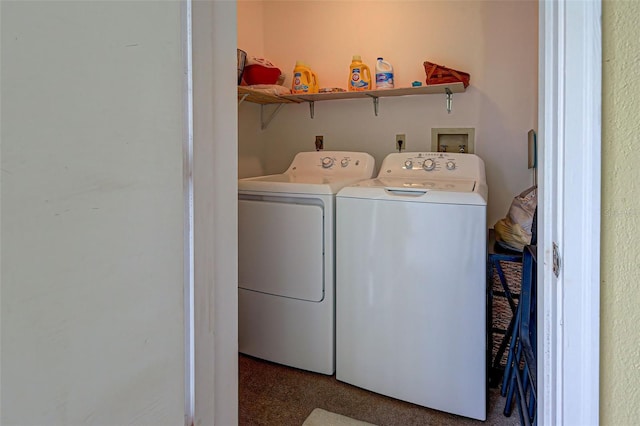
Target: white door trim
{"points": [[215, 208], [570, 164], [187, 165]]}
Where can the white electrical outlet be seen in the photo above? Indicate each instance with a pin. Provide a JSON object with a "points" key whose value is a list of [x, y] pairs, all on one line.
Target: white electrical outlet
{"points": [[401, 142]]}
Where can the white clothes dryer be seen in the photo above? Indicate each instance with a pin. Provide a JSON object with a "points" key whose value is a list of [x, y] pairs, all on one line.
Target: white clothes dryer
{"points": [[411, 282], [286, 258]]}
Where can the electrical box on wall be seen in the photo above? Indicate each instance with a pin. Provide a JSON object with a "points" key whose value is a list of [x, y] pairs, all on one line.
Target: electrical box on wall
{"points": [[460, 139]]}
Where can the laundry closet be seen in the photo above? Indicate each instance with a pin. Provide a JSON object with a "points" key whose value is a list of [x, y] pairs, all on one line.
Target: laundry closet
{"points": [[495, 42]]}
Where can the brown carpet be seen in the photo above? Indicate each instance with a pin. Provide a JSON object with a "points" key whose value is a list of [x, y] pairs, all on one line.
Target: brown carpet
{"points": [[275, 395]]}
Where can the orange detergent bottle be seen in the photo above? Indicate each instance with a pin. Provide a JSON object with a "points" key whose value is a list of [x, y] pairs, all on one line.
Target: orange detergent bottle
{"points": [[304, 80], [359, 75]]}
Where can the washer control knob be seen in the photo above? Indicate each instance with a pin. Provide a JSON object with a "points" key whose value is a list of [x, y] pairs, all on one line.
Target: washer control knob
{"points": [[408, 164], [327, 162], [344, 162], [429, 164], [451, 165]]}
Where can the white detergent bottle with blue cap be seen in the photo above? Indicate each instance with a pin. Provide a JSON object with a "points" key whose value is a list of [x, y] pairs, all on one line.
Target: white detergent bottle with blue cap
{"points": [[384, 74]]}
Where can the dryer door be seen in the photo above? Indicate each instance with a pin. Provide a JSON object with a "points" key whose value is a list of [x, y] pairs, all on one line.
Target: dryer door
{"points": [[281, 249]]}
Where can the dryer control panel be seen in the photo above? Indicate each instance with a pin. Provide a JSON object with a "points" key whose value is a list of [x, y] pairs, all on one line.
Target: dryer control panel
{"points": [[336, 164]]}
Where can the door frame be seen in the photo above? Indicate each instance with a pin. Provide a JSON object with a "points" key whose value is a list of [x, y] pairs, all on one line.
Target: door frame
{"points": [[215, 212], [570, 53]]}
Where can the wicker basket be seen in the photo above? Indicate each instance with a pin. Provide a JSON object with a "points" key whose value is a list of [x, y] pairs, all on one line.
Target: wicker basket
{"points": [[501, 311]]}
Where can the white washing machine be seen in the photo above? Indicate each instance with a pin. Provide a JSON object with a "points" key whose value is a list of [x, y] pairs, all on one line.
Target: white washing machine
{"points": [[286, 258], [411, 280]]}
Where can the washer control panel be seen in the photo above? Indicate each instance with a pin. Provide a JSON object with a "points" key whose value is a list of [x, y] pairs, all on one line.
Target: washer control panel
{"points": [[431, 164]]}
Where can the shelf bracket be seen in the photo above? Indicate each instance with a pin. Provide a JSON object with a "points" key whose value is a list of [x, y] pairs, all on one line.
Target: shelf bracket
{"points": [[449, 99], [311, 108], [245, 96], [375, 103], [265, 123]]}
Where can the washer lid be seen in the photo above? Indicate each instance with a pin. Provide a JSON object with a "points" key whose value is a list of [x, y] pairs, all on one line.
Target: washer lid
{"points": [[442, 191], [404, 184]]}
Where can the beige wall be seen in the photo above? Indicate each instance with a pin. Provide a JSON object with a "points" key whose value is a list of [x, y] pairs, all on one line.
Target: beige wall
{"points": [[620, 290], [251, 20], [92, 212], [495, 41]]}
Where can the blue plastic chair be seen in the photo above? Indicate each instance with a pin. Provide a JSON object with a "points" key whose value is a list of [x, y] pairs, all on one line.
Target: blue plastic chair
{"points": [[522, 377]]}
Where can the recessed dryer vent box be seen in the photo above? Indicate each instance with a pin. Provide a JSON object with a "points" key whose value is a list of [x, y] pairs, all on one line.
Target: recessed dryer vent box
{"points": [[461, 139]]}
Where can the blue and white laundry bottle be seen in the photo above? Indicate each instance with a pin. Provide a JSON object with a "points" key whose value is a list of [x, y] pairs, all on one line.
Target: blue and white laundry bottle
{"points": [[384, 74]]}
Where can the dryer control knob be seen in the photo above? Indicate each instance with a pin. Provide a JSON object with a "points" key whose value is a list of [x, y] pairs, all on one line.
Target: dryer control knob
{"points": [[429, 164], [451, 165], [327, 162], [408, 164], [344, 162]]}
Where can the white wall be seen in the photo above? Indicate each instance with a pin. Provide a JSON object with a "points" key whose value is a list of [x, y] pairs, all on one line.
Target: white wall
{"points": [[495, 41], [92, 213]]}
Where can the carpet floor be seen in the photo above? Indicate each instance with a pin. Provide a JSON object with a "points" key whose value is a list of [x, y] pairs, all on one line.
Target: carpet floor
{"points": [[275, 395]]}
